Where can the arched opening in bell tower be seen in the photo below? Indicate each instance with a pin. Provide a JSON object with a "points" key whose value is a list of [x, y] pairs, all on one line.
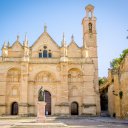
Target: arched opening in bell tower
{"points": [[90, 27], [89, 14]]}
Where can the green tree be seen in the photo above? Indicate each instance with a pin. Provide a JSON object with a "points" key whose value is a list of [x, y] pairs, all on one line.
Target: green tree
{"points": [[102, 80], [124, 52], [115, 63]]}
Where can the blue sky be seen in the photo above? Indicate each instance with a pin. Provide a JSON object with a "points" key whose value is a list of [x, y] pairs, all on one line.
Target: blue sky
{"points": [[18, 17]]}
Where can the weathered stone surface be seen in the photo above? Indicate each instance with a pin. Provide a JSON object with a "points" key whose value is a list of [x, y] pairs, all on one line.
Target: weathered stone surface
{"points": [[117, 91], [68, 73], [41, 112]]}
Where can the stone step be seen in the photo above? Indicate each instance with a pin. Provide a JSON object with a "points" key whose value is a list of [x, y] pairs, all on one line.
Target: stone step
{"points": [[104, 114], [40, 125]]}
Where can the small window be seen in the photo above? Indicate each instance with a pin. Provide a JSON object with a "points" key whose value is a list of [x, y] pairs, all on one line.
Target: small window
{"points": [[45, 54], [45, 47], [90, 27], [50, 55], [40, 55]]}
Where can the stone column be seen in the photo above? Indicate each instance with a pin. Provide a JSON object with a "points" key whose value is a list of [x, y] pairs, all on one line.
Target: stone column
{"points": [[41, 112]]}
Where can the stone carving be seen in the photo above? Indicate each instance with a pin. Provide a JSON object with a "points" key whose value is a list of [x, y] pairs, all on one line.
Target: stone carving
{"points": [[41, 94], [74, 75], [13, 75], [45, 77]]}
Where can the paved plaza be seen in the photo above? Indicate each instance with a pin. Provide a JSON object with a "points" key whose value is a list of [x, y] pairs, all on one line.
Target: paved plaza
{"points": [[55, 122]]}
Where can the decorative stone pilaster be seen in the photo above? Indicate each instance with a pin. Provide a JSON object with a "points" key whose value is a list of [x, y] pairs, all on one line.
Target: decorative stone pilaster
{"points": [[41, 111], [23, 107]]}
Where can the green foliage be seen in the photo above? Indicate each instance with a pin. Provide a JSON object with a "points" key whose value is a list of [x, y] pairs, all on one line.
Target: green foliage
{"points": [[115, 63], [102, 80], [124, 52]]}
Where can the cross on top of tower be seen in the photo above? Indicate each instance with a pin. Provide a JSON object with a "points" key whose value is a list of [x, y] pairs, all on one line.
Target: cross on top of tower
{"points": [[45, 28], [18, 37]]}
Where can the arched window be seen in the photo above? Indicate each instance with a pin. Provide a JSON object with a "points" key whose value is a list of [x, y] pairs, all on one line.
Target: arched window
{"points": [[50, 55], [44, 53], [40, 54], [90, 27]]}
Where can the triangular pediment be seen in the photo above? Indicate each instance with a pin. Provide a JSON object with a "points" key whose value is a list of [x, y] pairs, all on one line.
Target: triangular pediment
{"points": [[73, 45], [74, 50], [17, 46], [44, 39]]}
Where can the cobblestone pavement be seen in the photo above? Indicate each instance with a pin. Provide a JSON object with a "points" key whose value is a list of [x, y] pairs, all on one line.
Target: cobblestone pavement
{"points": [[54, 122]]}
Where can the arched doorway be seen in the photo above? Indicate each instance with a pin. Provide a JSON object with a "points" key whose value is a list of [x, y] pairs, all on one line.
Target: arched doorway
{"points": [[14, 108], [48, 102], [104, 101], [74, 108]]}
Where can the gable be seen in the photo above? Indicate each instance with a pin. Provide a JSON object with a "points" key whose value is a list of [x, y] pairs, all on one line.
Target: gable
{"points": [[16, 50], [45, 40], [73, 45], [73, 48], [17, 46]]}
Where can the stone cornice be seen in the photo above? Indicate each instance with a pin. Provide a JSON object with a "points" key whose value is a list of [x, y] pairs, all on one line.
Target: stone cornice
{"points": [[2, 105], [71, 60], [88, 105]]}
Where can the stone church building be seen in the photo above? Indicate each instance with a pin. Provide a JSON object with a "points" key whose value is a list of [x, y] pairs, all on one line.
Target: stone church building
{"points": [[67, 73]]}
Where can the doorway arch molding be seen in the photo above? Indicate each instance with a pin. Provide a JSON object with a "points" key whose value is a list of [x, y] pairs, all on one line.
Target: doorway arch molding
{"points": [[74, 108]]}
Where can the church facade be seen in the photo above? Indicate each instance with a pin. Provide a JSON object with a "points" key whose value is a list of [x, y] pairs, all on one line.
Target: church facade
{"points": [[68, 74]]}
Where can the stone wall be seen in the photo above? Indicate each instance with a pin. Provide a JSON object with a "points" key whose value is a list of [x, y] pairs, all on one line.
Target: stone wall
{"points": [[68, 73]]}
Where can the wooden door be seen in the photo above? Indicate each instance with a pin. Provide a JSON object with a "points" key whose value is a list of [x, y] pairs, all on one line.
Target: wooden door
{"points": [[74, 108], [48, 103], [104, 102], [14, 108]]}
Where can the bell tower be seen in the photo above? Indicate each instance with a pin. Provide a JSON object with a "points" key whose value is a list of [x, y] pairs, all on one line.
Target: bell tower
{"points": [[90, 47], [89, 32], [90, 39]]}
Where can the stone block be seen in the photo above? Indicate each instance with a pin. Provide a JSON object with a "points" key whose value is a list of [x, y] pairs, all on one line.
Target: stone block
{"points": [[41, 112]]}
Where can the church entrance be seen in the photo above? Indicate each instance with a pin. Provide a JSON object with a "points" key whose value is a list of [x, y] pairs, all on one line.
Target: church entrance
{"points": [[74, 108], [48, 103], [14, 108]]}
